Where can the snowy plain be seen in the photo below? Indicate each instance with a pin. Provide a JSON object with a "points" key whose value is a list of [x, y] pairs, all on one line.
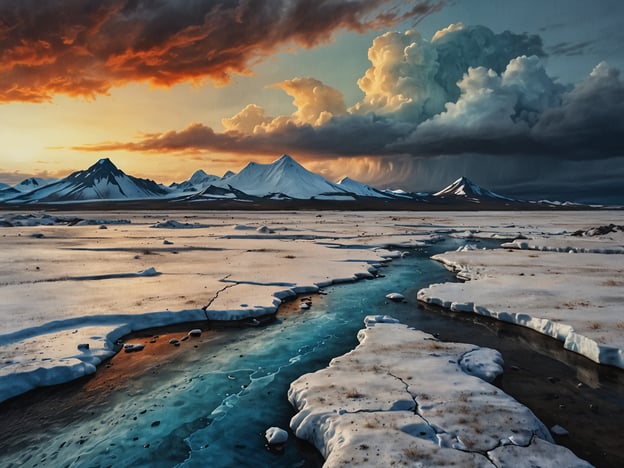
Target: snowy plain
{"points": [[65, 283]]}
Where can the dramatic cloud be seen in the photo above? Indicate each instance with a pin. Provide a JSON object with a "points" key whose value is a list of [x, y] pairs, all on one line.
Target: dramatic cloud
{"points": [[247, 120], [316, 102], [84, 47], [412, 78], [443, 98]]}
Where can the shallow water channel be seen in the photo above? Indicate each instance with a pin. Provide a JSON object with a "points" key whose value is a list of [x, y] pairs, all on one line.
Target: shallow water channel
{"points": [[212, 407]]}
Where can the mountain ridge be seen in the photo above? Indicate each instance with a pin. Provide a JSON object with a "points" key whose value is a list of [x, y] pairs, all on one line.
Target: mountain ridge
{"points": [[282, 181]]}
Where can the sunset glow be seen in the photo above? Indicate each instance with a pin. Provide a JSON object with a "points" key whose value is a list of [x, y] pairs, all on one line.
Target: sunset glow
{"points": [[524, 97]]}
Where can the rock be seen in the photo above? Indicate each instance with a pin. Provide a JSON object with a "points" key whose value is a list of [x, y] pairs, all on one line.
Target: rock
{"points": [[83, 346], [264, 230], [276, 435], [102, 226], [156, 423], [195, 333], [37, 235], [396, 297], [167, 242], [558, 430], [132, 348], [151, 271], [304, 306], [174, 342]]}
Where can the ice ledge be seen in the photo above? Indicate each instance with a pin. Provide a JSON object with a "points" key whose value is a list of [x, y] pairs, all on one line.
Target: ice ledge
{"points": [[404, 398], [572, 341]]}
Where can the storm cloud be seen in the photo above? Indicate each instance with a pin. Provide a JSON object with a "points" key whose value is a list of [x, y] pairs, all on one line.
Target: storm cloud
{"points": [[85, 47], [412, 107]]}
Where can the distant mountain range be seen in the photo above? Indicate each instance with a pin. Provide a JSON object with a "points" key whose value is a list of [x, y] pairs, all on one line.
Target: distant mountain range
{"points": [[282, 180]]}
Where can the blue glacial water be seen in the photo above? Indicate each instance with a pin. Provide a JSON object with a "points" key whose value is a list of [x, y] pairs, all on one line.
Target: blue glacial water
{"points": [[213, 411]]}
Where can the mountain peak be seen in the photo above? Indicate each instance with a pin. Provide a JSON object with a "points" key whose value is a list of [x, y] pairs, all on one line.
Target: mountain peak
{"points": [[285, 161], [104, 161], [465, 188]]}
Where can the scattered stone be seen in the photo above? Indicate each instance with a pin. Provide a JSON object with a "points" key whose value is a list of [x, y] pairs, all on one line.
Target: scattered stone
{"points": [[184, 338], [195, 333], [264, 230], [304, 306], [276, 435], [558, 430], [37, 235], [396, 297], [174, 342], [151, 271], [83, 346], [132, 348], [103, 226], [167, 242]]}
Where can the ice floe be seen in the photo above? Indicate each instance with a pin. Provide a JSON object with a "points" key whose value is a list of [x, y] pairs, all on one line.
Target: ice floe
{"points": [[404, 398], [535, 283]]}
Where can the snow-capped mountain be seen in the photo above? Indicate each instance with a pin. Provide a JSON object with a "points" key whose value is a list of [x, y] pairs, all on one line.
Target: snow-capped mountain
{"points": [[464, 188], [102, 181], [6, 192], [360, 189], [197, 182], [256, 185], [283, 178], [32, 183], [26, 185]]}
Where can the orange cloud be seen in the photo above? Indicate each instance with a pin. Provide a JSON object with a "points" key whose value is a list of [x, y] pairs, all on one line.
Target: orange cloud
{"points": [[83, 48]]}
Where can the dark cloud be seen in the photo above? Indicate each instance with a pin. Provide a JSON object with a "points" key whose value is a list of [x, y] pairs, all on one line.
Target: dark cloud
{"points": [[519, 112], [84, 47], [570, 48], [341, 136]]}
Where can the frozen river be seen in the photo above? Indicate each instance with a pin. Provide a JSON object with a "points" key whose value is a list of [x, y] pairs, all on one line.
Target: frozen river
{"points": [[211, 405]]}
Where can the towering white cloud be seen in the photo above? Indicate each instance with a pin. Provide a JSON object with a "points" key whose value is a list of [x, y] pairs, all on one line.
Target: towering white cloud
{"points": [[493, 106], [316, 102], [401, 79], [247, 120], [412, 79]]}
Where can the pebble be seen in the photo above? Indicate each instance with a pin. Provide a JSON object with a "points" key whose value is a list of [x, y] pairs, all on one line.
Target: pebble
{"points": [[276, 435], [558, 430], [131, 348], [196, 332], [396, 297], [174, 342]]}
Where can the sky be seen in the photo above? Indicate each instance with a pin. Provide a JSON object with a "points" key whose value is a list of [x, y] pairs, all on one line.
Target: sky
{"points": [[524, 97]]}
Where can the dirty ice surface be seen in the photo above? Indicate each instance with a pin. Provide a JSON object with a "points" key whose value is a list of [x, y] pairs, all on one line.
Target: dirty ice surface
{"points": [[65, 281], [566, 283], [404, 398], [70, 289]]}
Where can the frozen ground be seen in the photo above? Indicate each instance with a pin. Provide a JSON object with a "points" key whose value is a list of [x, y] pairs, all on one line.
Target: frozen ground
{"points": [[404, 398], [565, 284], [66, 282]]}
